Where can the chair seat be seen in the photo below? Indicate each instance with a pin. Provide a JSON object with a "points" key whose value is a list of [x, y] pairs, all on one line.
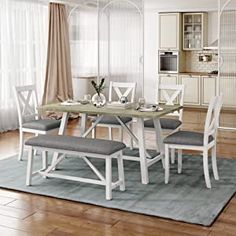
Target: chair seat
{"points": [[43, 125], [166, 123], [111, 120], [186, 138], [77, 144]]}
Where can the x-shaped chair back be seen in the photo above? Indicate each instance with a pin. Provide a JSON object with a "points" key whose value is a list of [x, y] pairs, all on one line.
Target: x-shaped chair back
{"points": [[27, 103], [170, 94], [212, 118], [117, 87]]}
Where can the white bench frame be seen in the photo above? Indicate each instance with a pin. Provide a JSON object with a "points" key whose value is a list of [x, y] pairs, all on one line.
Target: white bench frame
{"points": [[105, 181]]}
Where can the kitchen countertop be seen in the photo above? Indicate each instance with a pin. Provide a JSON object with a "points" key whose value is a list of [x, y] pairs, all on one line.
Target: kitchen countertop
{"points": [[197, 74]]}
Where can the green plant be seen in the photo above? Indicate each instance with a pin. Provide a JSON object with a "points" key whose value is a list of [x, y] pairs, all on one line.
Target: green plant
{"points": [[99, 87]]}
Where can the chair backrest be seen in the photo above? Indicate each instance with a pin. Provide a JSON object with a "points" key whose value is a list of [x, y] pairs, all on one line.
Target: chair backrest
{"points": [[212, 118], [26, 102], [122, 89], [170, 94]]}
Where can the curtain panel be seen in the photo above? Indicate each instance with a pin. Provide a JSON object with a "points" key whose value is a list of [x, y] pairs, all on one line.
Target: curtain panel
{"points": [[58, 83], [23, 40]]}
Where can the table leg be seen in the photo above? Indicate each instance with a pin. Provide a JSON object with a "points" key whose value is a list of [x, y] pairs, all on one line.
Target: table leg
{"points": [[142, 151], [83, 123], [159, 139], [61, 131]]}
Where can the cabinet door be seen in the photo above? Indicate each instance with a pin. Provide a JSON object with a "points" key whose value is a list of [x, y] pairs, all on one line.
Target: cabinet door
{"points": [[169, 31], [167, 79], [191, 90], [227, 87], [208, 89]]}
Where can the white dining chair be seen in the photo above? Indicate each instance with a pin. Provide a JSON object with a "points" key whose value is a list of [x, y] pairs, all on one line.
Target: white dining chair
{"points": [[189, 140], [117, 90], [28, 116], [169, 95]]}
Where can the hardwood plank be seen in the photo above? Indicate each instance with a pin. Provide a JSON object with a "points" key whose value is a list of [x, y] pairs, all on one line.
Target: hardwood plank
{"points": [[4, 231], [149, 231], [21, 225], [16, 213], [6, 200]]}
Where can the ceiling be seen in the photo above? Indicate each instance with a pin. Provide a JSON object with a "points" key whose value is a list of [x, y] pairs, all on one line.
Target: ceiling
{"points": [[181, 5], [160, 5]]}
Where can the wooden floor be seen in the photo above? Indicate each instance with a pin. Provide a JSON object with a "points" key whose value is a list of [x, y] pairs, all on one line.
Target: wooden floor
{"points": [[28, 214]]}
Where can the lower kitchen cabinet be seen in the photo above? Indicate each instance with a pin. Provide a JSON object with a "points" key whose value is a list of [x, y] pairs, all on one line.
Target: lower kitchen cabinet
{"points": [[200, 89], [208, 89], [192, 89]]}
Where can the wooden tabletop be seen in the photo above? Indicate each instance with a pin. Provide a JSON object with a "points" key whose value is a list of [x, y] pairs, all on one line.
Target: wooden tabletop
{"points": [[90, 109]]}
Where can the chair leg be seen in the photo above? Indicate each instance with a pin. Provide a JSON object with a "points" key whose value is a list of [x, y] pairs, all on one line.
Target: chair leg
{"points": [[21, 145], [172, 155], [29, 167], [121, 133], [110, 133], [35, 151], [94, 132], [214, 163], [131, 139], [179, 161], [206, 169], [108, 179], [121, 172], [167, 164]]}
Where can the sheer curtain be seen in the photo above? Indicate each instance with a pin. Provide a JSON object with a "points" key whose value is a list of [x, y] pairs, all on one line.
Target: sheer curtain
{"points": [[83, 41], [121, 42], [23, 45]]}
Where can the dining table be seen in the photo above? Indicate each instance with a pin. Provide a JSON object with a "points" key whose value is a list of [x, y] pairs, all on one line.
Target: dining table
{"points": [[144, 156]]}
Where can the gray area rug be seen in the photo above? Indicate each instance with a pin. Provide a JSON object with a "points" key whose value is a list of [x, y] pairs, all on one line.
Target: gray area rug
{"points": [[185, 198]]}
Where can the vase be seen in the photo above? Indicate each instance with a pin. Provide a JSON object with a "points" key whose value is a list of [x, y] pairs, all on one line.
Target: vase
{"points": [[98, 100]]}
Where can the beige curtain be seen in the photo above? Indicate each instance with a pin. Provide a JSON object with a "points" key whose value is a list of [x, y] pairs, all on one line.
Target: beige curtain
{"points": [[58, 83]]}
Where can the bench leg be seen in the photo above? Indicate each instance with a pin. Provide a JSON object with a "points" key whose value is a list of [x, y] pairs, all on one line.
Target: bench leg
{"points": [[29, 167], [108, 179], [121, 172]]}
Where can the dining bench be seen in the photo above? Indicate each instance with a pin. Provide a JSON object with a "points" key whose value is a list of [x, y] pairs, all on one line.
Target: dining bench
{"points": [[81, 148]]}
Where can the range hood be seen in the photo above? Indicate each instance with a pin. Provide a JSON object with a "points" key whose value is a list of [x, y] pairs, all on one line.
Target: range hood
{"points": [[212, 46]]}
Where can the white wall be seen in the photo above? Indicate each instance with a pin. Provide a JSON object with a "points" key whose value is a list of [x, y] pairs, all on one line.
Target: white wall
{"points": [[150, 54]]}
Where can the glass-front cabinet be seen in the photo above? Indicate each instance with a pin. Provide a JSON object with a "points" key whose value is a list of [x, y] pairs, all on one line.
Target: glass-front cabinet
{"points": [[194, 31]]}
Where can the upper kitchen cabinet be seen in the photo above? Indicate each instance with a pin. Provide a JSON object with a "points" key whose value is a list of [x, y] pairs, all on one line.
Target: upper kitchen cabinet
{"points": [[169, 31], [194, 31]]}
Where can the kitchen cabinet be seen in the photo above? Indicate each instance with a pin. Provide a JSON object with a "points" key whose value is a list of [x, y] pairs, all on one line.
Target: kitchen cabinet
{"points": [[191, 90], [169, 31], [227, 87], [195, 33], [208, 89]]}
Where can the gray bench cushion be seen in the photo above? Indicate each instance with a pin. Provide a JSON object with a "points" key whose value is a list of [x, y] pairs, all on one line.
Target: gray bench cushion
{"points": [[166, 123], [111, 120], [71, 143], [186, 138], [43, 125]]}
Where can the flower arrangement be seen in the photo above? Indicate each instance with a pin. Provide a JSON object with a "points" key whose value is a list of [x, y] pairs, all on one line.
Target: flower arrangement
{"points": [[99, 87]]}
